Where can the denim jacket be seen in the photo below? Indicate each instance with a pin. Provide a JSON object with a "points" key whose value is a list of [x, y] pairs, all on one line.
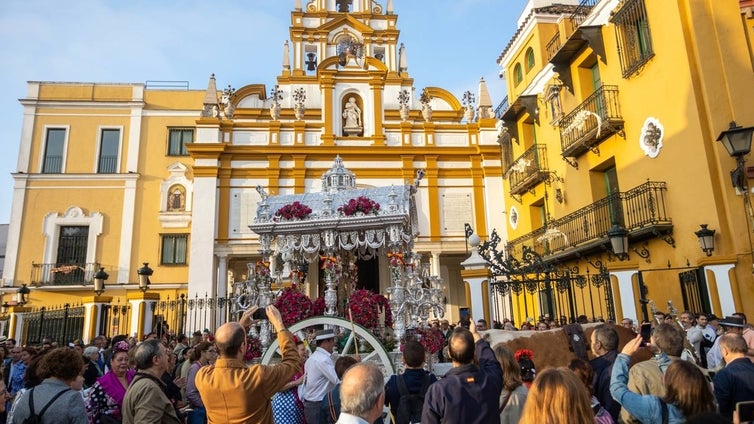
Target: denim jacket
{"points": [[645, 408]]}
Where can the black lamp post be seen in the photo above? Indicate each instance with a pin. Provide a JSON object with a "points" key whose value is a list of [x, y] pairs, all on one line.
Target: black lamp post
{"points": [[99, 281], [22, 295], [706, 239], [737, 141], [144, 273], [619, 241]]}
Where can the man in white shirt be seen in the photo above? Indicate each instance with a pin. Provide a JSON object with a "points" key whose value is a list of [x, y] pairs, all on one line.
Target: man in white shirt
{"points": [[320, 377]]}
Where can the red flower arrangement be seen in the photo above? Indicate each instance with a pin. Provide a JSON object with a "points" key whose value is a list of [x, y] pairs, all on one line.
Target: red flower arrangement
{"points": [[364, 308], [294, 306], [361, 204], [318, 306], [430, 338], [253, 349], [384, 304], [295, 210]]}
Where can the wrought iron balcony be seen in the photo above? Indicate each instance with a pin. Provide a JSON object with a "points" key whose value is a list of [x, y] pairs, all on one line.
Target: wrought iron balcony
{"points": [[597, 118], [529, 169], [59, 274], [501, 108], [641, 210], [570, 28]]}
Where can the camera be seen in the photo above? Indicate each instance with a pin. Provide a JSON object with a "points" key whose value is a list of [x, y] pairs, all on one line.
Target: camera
{"points": [[260, 313]]}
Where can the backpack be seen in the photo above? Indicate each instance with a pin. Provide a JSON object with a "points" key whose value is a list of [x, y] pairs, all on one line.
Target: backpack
{"points": [[37, 418], [411, 404]]}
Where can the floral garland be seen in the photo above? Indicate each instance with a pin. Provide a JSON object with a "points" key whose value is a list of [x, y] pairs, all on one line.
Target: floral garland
{"points": [[253, 349], [430, 338], [524, 353], [364, 308], [361, 204], [294, 306], [295, 210]]}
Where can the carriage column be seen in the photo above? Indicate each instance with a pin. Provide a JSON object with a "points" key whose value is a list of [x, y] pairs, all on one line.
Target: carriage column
{"points": [[142, 313], [94, 316], [476, 273]]}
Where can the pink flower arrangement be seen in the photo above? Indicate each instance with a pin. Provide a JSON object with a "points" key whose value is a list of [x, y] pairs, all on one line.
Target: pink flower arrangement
{"points": [[364, 309], [294, 306], [295, 210], [430, 338], [361, 204], [318, 307], [253, 349]]}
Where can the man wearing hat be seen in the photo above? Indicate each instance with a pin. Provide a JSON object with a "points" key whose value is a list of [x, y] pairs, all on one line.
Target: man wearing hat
{"points": [[731, 325], [319, 374]]}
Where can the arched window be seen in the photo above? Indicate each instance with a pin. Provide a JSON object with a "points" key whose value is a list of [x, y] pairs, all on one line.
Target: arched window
{"points": [[518, 74], [529, 59]]}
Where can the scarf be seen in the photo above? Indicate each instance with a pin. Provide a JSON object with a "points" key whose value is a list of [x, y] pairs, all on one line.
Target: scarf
{"points": [[112, 387]]}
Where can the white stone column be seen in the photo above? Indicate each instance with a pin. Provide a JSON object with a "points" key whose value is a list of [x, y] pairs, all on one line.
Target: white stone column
{"points": [[202, 271], [724, 290], [142, 313], [628, 301], [93, 315], [475, 272], [222, 287], [435, 258]]}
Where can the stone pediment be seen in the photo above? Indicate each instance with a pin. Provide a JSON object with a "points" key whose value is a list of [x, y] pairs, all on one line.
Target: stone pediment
{"points": [[335, 26]]}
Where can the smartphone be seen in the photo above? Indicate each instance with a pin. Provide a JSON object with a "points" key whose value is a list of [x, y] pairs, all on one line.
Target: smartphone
{"points": [[646, 333], [260, 313], [745, 411], [465, 317]]}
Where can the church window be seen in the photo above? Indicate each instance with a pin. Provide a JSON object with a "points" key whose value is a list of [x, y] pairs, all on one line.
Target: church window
{"points": [[529, 59], [174, 249], [518, 74], [52, 162], [177, 140]]}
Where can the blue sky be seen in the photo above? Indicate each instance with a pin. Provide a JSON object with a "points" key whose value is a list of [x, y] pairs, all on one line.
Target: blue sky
{"points": [[449, 44]]}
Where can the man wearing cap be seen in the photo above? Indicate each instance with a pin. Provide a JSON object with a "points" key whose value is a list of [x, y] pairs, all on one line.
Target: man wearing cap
{"points": [[731, 325], [320, 377]]}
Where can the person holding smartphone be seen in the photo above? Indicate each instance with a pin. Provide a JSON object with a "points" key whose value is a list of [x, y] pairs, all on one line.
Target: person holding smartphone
{"points": [[735, 382]]}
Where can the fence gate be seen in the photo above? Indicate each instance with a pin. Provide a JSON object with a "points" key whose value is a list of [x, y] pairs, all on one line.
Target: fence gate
{"points": [[62, 324], [694, 291]]}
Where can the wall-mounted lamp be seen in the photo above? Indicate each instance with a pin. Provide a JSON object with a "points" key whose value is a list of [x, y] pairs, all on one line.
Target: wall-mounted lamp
{"points": [[619, 241], [99, 281], [737, 141], [22, 295], [706, 239], [144, 273]]}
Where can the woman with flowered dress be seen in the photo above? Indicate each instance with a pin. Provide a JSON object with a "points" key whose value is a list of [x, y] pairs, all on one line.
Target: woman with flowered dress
{"points": [[287, 406], [106, 397]]}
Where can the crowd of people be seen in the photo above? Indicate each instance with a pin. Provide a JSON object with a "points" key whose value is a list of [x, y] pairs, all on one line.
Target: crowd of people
{"points": [[206, 379]]}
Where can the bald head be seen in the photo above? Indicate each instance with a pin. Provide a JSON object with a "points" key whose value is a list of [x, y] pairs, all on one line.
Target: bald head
{"points": [[229, 338], [362, 390]]}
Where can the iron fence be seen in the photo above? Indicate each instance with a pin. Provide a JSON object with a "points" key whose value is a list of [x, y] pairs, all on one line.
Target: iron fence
{"points": [[596, 118], [63, 274], [61, 324]]}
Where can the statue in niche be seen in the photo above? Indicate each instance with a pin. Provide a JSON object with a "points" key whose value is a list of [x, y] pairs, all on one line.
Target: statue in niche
{"points": [[176, 200], [352, 115]]}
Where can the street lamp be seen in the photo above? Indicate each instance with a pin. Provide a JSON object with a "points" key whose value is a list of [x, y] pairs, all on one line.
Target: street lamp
{"points": [[22, 295], [706, 239], [619, 241], [99, 281], [144, 273], [737, 141]]}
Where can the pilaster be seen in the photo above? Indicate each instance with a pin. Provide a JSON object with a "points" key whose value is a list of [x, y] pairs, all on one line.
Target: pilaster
{"points": [[142, 312]]}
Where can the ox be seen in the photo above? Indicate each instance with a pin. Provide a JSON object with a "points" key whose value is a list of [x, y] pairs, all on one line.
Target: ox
{"points": [[552, 348]]}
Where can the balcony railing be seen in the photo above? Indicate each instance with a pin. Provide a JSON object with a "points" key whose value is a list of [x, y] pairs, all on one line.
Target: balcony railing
{"points": [[570, 25], [597, 118], [529, 169], [641, 210], [58, 274], [501, 108]]}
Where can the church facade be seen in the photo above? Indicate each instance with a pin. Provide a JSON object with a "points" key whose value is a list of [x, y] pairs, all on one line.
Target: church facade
{"points": [[151, 184]]}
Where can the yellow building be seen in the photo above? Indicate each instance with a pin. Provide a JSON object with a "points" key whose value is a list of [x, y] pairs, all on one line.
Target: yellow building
{"points": [[118, 175], [611, 124]]}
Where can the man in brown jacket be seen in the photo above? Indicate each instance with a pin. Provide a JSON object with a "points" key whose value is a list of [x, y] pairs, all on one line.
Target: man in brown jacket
{"points": [[235, 393]]}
